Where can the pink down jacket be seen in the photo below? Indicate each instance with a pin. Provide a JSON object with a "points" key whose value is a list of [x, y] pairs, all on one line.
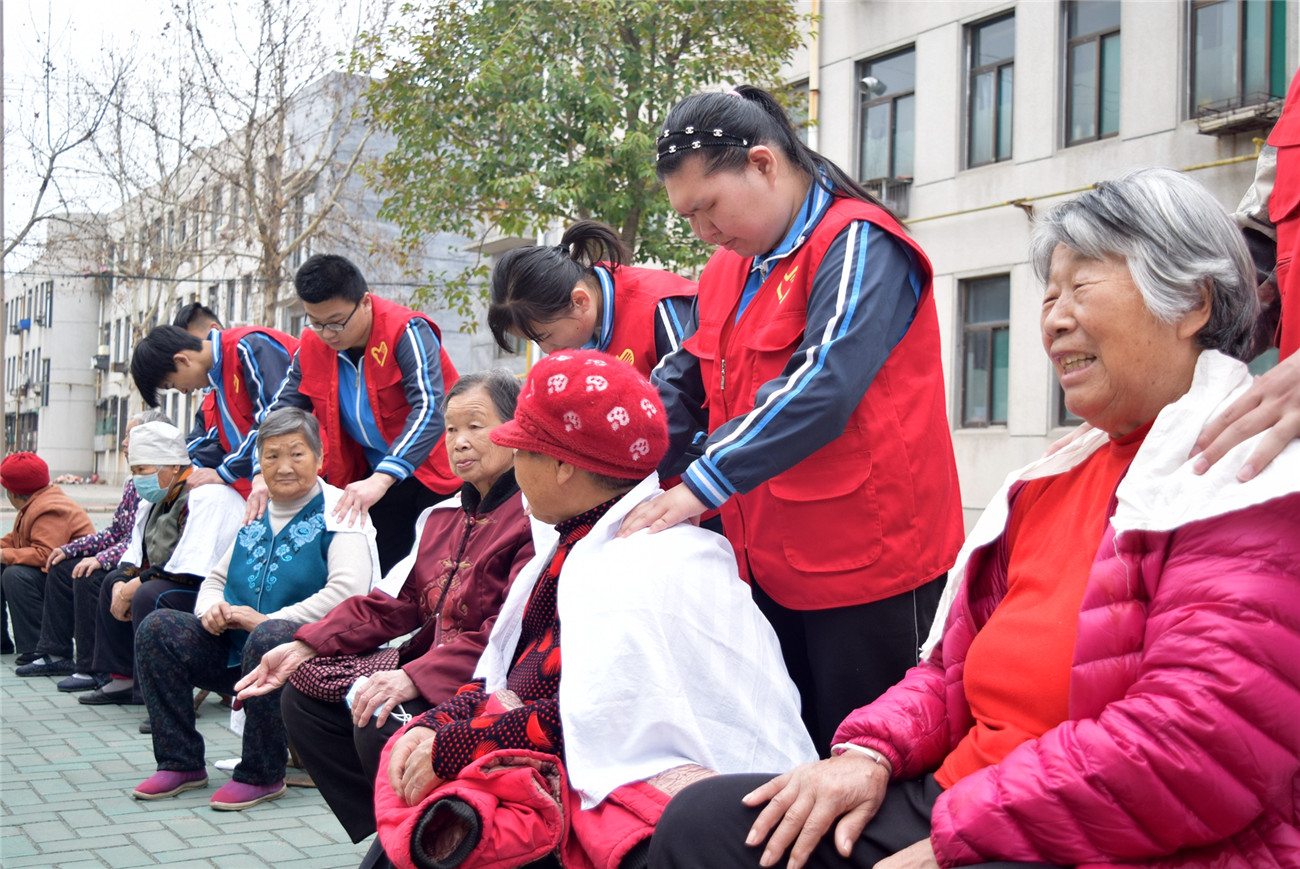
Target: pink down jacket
{"points": [[1184, 732]]}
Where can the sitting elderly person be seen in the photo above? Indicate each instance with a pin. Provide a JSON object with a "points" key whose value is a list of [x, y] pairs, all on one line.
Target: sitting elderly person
{"points": [[668, 671], [289, 567], [1118, 679], [74, 572], [180, 533], [467, 552]]}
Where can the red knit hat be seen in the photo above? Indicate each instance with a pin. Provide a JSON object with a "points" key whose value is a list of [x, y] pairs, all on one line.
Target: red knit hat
{"points": [[24, 473], [590, 410]]}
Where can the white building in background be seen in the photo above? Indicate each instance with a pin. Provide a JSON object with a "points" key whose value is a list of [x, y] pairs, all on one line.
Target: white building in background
{"points": [[70, 393], [971, 116], [51, 313]]}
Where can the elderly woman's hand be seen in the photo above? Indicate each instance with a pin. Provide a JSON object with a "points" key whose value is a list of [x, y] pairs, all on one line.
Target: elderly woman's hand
{"points": [[245, 618], [215, 620], [86, 566], [678, 504], [380, 695], [918, 856], [120, 607], [804, 803], [275, 668], [1272, 404], [410, 765]]}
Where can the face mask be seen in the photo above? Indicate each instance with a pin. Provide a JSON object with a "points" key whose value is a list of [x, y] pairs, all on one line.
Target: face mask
{"points": [[147, 487]]}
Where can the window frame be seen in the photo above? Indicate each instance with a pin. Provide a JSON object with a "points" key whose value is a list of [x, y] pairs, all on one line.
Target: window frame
{"points": [[1239, 98], [1098, 37], [986, 328], [972, 73], [889, 98]]}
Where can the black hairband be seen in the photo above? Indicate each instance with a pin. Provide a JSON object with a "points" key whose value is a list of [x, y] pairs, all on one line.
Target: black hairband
{"points": [[689, 139]]}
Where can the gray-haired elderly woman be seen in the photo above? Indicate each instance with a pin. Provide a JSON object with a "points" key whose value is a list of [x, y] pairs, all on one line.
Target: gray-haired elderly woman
{"points": [[1117, 679], [286, 569]]}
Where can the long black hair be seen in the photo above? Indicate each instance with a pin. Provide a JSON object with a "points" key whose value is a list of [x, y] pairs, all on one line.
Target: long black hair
{"points": [[720, 128], [534, 284]]}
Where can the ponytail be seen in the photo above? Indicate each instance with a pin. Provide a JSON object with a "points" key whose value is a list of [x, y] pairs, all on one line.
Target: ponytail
{"points": [[720, 128], [534, 284]]}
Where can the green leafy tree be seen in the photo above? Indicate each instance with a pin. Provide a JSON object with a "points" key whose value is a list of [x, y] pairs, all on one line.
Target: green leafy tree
{"points": [[512, 115]]}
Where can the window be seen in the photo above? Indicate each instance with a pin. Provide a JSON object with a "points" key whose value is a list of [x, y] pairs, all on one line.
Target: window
{"points": [[1238, 53], [992, 51], [1092, 70], [517, 346], [797, 97], [216, 212], [986, 343], [887, 116]]}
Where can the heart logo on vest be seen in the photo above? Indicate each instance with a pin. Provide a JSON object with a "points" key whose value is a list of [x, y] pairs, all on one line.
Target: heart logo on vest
{"points": [[627, 356], [380, 353], [784, 290]]}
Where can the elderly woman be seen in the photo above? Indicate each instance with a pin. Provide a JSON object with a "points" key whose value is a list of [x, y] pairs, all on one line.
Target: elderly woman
{"points": [[467, 553], [180, 533], [74, 573], [288, 568], [1118, 679]]}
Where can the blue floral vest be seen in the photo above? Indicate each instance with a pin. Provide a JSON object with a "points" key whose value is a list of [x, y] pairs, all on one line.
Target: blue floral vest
{"points": [[271, 571]]}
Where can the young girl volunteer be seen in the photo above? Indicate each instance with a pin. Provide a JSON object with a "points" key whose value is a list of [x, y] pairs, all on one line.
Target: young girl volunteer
{"points": [[581, 294], [817, 362]]}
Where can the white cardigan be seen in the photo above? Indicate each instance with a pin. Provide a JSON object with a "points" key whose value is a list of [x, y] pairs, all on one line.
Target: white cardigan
{"points": [[667, 660]]}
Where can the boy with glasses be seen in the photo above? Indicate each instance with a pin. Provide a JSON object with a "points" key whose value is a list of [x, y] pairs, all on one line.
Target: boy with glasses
{"points": [[375, 374]]}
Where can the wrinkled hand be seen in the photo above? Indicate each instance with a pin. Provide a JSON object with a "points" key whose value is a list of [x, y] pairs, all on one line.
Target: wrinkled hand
{"points": [[804, 803], [360, 496], [1272, 403], [380, 695], [216, 619], [410, 765], [85, 567], [120, 606], [245, 618], [258, 495], [56, 555], [203, 477], [275, 668], [918, 856], [678, 504]]}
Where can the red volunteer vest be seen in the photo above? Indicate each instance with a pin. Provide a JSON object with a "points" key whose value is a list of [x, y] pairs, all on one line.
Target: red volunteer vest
{"points": [[1284, 212], [233, 388], [636, 294], [345, 461], [874, 513]]}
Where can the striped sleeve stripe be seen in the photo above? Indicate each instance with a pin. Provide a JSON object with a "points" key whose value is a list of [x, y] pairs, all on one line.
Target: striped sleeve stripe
{"points": [[412, 337], [848, 294], [709, 482], [668, 317]]}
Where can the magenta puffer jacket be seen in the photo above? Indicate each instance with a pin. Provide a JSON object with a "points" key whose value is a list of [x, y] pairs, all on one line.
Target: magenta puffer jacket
{"points": [[1183, 744]]}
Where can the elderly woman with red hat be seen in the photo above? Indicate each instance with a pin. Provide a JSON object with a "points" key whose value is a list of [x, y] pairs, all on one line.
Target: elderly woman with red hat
{"points": [[47, 518], [656, 687]]}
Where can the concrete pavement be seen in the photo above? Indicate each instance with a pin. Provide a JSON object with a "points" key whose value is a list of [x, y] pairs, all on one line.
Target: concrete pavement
{"points": [[66, 774]]}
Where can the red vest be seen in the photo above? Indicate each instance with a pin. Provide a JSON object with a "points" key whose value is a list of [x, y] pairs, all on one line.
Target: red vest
{"points": [[345, 461], [636, 293], [874, 513], [1284, 212], [233, 388]]}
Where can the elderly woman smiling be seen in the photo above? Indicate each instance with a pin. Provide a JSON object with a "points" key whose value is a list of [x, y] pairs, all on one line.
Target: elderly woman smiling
{"points": [[1118, 675], [286, 569]]}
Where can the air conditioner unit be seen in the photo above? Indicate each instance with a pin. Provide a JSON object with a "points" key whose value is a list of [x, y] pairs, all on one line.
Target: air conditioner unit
{"points": [[99, 362], [40, 320]]}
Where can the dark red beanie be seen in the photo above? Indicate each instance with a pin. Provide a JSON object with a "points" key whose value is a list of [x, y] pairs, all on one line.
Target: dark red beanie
{"points": [[24, 473], [590, 410]]}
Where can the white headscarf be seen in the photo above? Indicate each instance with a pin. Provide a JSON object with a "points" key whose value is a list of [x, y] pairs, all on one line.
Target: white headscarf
{"points": [[157, 443]]}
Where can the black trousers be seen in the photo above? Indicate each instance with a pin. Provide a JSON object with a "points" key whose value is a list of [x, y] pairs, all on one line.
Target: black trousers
{"points": [[704, 827], [22, 588], [842, 659], [85, 614], [343, 759], [394, 516], [114, 640], [58, 619]]}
